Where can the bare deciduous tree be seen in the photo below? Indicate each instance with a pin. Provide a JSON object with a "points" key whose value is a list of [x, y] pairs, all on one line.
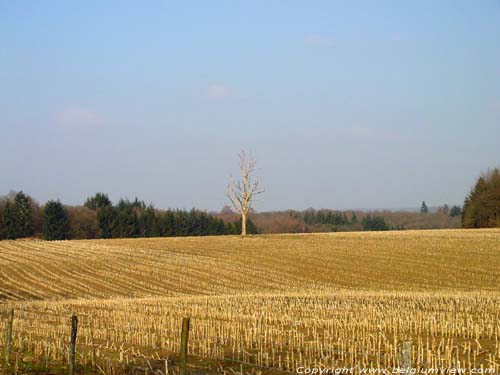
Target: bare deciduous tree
{"points": [[241, 193]]}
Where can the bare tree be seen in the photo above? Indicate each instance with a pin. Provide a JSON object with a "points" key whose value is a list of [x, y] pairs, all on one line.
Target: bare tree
{"points": [[241, 193]]}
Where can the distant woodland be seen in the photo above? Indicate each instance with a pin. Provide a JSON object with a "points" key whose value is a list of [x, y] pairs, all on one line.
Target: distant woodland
{"points": [[21, 216], [311, 220]]}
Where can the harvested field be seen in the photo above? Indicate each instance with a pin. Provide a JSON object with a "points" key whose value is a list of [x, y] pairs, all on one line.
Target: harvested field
{"points": [[274, 303]]}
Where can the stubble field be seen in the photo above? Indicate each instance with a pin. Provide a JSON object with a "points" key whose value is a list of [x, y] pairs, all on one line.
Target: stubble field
{"points": [[260, 304]]}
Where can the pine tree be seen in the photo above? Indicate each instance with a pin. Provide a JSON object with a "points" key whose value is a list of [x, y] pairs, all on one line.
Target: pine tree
{"points": [[374, 223], [455, 211], [167, 224], [126, 222], [24, 213], [221, 227], [55, 221], [105, 218], [482, 206], [465, 210], [99, 200], [10, 229], [251, 227], [424, 209], [148, 223], [354, 218]]}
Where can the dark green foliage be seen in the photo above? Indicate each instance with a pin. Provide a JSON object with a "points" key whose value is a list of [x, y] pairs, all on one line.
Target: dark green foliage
{"points": [[216, 227], [126, 223], [235, 228], [482, 206], [24, 213], [55, 221], [135, 219], [101, 219], [99, 200], [10, 230], [190, 223], [332, 221], [424, 209], [105, 218], [354, 218], [17, 217], [149, 224], [124, 204], [330, 217], [455, 211], [374, 223], [167, 224], [251, 227]]}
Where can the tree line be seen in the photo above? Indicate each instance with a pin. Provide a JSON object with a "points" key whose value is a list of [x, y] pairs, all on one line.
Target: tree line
{"points": [[21, 217], [333, 221]]}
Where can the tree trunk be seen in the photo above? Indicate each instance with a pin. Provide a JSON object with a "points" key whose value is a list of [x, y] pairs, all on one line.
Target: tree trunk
{"points": [[243, 224]]}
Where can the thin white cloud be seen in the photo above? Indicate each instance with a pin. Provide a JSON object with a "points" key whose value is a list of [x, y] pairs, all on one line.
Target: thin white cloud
{"points": [[218, 91], [320, 40], [78, 118]]}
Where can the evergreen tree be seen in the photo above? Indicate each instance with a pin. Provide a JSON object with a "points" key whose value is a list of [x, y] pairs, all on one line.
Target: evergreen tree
{"points": [[149, 223], [55, 221], [182, 223], [99, 200], [474, 213], [424, 209], [455, 211], [10, 229], [194, 223], [105, 218], [251, 227], [465, 209], [216, 227], [24, 213], [167, 224], [354, 218], [99, 218], [126, 222], [482, 206], [374, 223], [17, 217], [221, 227]]}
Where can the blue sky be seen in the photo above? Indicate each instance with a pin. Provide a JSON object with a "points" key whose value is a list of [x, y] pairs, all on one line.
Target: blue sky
{"points": [[345, 104]]}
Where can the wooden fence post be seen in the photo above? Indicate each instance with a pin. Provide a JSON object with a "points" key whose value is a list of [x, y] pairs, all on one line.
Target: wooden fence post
{"points": [[92, 357], [405, 355], [8, 335], [184, 346], [72, 344]]}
